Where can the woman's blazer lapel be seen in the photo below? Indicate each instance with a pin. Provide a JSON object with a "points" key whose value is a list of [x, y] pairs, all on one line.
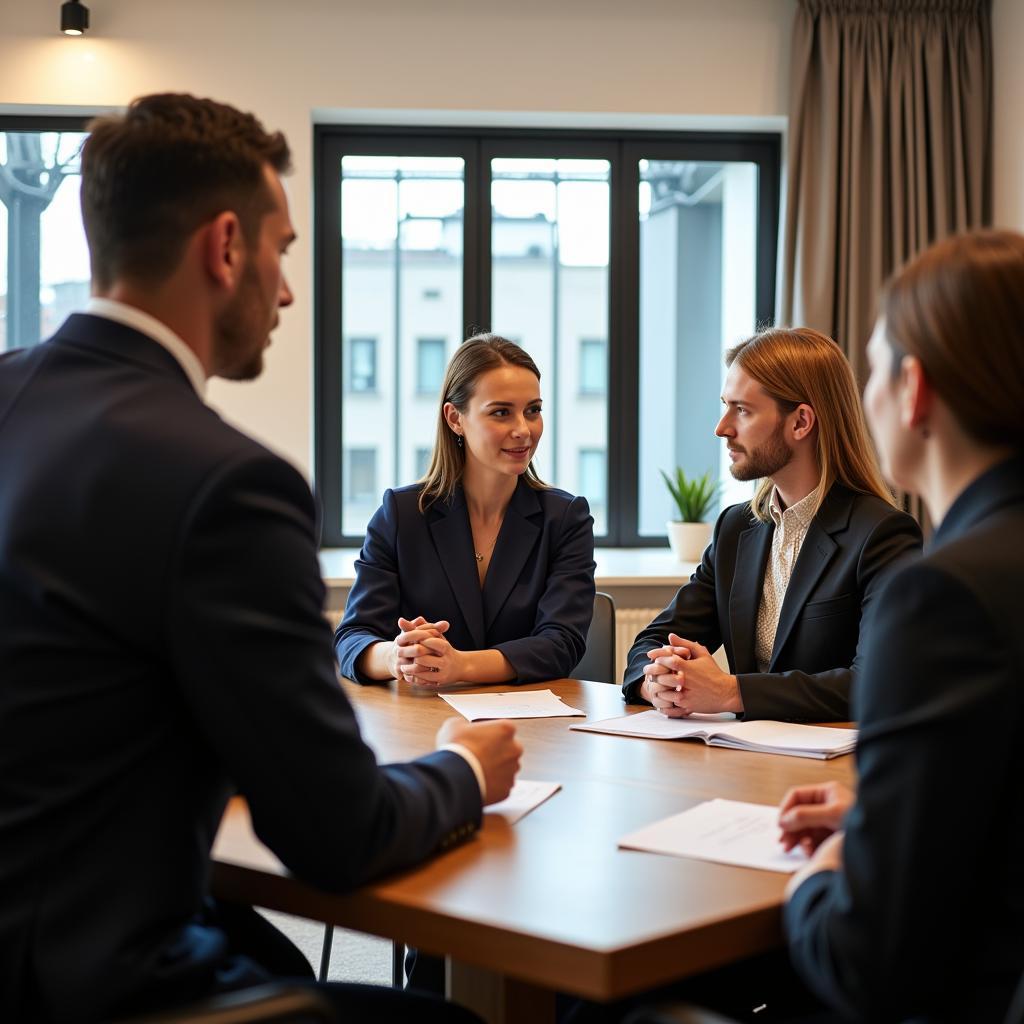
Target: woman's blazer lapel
{"points": [[448, 523], [516, 542]]}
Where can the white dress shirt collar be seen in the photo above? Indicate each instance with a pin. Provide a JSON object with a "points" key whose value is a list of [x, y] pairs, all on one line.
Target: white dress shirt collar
{"points": [[159, 332]]}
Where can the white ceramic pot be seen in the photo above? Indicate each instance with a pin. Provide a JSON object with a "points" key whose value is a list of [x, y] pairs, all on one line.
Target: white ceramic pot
{"points": [[688, 540]]}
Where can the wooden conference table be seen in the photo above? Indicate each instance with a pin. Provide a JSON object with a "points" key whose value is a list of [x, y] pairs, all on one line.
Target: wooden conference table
{"points": [[551, 904]]}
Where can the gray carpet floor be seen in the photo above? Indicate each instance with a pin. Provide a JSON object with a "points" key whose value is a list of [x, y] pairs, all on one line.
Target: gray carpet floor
{"points": [[354, 956]]}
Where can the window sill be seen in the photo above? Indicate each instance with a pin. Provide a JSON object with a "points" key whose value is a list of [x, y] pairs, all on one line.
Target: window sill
{"points": [[616, 567]]}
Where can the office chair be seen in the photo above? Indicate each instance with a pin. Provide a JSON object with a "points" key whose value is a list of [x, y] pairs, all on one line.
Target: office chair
{"points": [[263, 1004], [598, 662]]}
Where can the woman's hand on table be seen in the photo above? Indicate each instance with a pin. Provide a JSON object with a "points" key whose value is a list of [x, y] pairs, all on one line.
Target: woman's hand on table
{"points": [[435, 663], [408, 645]]}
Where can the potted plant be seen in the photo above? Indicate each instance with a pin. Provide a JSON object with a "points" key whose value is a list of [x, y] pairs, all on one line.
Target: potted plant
{"points": [[689, 535]]}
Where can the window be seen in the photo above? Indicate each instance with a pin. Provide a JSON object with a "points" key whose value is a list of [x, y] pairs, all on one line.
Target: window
{"points": [[698, 268], [593, 367], [625, 263], [422, 462], [430, 365], [363, 470], [362, 365], [44, 262], [592, 480]]}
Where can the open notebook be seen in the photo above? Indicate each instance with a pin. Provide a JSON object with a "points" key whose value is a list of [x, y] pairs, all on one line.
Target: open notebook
{"points": [[719, 731]]}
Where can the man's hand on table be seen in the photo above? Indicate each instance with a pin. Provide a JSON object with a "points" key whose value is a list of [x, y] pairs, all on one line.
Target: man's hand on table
{"points": [[684, 678], [494, 745]]}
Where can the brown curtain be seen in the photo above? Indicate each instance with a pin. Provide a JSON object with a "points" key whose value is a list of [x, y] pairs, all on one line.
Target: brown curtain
{"points": [[890, 148]]}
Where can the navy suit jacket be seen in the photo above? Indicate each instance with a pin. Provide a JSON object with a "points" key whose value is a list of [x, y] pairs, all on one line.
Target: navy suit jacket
{"points": [[537, 599], [162, 646], [926, 920], [852, 544]]}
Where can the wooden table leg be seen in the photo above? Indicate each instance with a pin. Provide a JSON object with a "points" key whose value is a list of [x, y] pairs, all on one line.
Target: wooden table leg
{"points": [[497, 998]]}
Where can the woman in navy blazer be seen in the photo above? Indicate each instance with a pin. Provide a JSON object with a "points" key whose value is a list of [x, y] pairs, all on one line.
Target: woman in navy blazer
{"points": [[480, 572], [914, 906]]}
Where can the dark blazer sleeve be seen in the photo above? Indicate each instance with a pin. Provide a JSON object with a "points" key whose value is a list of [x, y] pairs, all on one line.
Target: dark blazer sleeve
{"points": [[884, 939], [373, 606], [252, 650], [564, 610], [794, 695], [692, 614]]}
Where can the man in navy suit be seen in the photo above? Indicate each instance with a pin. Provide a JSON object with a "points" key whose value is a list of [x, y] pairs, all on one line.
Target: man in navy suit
{"points": [[163, 642]]}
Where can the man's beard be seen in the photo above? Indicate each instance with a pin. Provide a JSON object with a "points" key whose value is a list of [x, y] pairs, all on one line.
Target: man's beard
{"points": [[765, 460], [238, 339]]}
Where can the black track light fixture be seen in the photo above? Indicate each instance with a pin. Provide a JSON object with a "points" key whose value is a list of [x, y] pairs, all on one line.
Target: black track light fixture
{"points": [[74, 18]]}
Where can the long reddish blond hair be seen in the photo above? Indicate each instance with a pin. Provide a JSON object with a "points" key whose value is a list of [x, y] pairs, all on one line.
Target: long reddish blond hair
{"points": [[798, 365]]}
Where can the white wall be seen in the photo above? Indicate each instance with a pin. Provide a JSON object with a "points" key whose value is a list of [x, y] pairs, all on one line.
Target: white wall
{"points": [[1008, 128], [724, 58]]}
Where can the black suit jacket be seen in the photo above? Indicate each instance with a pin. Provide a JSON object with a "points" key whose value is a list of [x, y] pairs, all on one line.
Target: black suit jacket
{"points": [[537, 599], [926, 921], [163, 645], [852, 543]]}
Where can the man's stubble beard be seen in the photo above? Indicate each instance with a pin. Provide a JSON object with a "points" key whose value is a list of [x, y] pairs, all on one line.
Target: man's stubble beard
{"points": [[238, 340], [765, 460]]}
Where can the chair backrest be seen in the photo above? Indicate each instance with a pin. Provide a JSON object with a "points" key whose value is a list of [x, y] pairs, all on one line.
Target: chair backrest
{"points": [[273, 1003], [598, 663]]}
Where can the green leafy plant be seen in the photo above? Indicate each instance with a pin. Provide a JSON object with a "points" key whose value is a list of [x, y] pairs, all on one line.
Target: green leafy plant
{"points": [[693, 497]]}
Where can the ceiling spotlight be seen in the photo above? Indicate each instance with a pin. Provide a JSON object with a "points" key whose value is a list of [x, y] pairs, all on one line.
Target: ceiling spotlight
{"points": [[74, 18]]}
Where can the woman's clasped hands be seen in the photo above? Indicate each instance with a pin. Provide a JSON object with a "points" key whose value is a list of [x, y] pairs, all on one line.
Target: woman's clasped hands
{"points": [[422, 656]]}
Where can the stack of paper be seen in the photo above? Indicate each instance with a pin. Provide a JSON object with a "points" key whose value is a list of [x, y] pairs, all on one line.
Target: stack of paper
{"points": [[514, 704], [764, 737], [725, 831]]}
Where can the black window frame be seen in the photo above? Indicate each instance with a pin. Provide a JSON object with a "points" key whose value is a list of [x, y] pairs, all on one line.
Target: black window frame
{"points": [[476, 147]]}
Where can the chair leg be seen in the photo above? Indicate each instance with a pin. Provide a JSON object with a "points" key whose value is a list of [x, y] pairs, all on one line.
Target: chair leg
{"points": [[325, 954], [397, 964]]}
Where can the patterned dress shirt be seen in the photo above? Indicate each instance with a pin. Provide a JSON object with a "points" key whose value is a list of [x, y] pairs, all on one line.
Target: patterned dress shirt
{"points": [[790, 529]]}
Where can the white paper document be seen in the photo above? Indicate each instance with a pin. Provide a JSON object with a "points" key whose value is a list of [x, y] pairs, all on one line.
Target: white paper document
{"points": [[514, 704], [723, 731], [524, 797], [725, 831]]}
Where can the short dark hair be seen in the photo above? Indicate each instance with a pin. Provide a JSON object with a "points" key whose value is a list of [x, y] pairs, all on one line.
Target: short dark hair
{"points": [[154, 174]]}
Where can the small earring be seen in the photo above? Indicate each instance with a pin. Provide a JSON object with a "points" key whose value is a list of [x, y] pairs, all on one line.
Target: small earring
{"points": [[458, 440]]}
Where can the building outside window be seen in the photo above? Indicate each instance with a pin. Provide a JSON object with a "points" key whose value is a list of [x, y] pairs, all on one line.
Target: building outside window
{"points": [[593, 367], [593, 482], [362, 362], [363, 472], [44, 262], [430, 365]]}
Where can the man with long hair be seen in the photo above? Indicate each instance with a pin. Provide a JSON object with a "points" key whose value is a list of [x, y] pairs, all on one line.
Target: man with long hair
{"points": [[789, 577], [163, 641]]}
